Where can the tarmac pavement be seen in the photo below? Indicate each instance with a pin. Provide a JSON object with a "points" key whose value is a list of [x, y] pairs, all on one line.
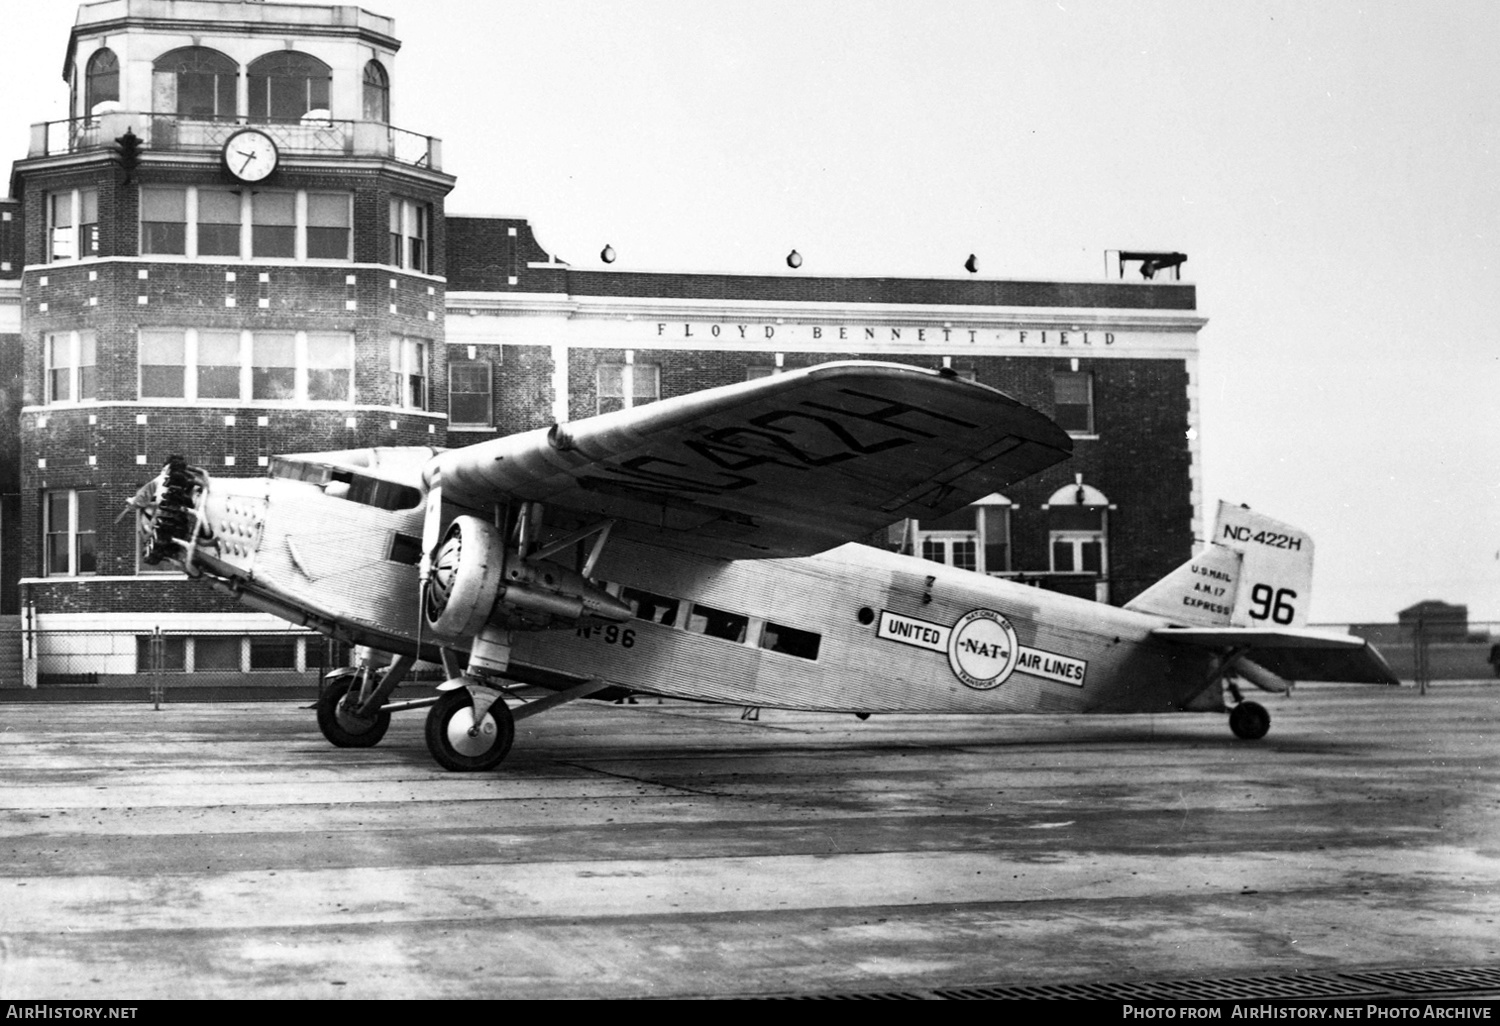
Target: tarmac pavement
{"points": [[671, 850]]}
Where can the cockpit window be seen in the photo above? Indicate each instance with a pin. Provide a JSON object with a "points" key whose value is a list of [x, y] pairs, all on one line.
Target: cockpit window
{"points": [[372, 491], [346, 484]]}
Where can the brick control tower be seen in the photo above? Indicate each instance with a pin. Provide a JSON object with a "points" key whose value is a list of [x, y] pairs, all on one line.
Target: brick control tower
{"points": [[230, 251]]}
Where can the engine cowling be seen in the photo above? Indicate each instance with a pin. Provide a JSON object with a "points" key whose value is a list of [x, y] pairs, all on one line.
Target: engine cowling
{"points": [[475, 580]]}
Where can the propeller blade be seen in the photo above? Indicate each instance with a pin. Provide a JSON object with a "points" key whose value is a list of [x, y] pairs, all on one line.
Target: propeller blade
{"points": [[432, 522]]}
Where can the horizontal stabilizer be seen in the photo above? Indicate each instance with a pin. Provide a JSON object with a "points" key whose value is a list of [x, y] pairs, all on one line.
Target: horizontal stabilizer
{"points": [[1293, 653]]}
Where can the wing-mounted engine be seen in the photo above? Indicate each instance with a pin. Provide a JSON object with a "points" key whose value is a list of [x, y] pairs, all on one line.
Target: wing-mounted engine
{"points": [[477, 580]]}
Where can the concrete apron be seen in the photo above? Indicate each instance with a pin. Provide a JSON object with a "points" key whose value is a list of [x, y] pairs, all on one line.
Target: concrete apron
{"points": [[227, 850]]}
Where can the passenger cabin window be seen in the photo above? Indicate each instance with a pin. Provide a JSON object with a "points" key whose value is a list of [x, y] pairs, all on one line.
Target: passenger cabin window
{"points": [[647, 606], [790, 641], [716, 623]]}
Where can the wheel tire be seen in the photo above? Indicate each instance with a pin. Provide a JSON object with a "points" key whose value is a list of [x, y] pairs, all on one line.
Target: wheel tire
{"points": [[1249, 721], [340, 726], [449, 740]]}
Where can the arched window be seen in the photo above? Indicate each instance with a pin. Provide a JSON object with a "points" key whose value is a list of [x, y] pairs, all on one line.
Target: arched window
{"points": [[1078, 537], [377, 93], [101, 80], [194, 82], [287, 84]]}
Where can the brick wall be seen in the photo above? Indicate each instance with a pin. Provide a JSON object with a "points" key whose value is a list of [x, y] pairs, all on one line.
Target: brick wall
{"points": [[483, 255], [12, 238]]}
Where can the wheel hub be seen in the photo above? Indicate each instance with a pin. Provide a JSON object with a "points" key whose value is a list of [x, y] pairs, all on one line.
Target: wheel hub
{"points": [[470, 738]]}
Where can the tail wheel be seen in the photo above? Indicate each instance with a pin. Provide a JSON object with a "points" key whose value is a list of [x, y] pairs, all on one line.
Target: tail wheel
{"points": [[458, 743], [341, 726], [1249, 721]]}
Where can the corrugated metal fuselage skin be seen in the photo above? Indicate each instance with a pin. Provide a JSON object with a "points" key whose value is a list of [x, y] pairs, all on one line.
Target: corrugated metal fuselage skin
{"points": [[290, 543]]}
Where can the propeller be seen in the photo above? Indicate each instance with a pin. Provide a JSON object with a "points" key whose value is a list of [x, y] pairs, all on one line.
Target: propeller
{"points": [[432, 523]]}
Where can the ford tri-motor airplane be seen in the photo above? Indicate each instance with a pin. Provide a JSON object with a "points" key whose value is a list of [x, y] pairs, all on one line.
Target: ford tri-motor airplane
{"points": [[701, 548]]}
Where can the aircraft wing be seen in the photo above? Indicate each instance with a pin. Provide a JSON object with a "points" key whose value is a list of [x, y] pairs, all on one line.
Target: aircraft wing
{"points": [[1293, 653], [786, 465]]}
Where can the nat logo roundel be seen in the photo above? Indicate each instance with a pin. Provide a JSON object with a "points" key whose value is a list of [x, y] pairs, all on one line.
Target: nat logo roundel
{"points": [[982, 650]]}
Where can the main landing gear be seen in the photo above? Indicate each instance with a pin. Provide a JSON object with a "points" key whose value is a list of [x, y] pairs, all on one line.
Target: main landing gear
{"points": [[1249, 721], [470, 728], [469, 725]]}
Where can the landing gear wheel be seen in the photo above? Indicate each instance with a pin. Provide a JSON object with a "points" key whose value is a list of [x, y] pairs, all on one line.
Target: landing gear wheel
{"points": [[341, 726], [458, 743], [1249, 721]]}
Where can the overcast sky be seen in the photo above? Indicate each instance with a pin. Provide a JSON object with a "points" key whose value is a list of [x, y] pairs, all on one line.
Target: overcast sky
{"points": [[1330, 169]]}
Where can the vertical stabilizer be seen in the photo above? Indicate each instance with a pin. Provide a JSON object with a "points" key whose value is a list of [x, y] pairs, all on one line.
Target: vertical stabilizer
{"points": [[1255, 572], [1275, 585], [1199, 593]]}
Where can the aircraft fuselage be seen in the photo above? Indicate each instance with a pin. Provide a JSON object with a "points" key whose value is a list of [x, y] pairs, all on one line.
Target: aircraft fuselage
{"points": [[853, 629]]}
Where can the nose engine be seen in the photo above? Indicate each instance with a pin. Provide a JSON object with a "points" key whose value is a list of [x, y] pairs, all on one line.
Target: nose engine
{"points": [[171, 522], [476, 580]]}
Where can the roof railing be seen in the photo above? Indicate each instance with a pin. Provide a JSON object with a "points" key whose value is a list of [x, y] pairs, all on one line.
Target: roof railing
{"points": [[311, 135]]}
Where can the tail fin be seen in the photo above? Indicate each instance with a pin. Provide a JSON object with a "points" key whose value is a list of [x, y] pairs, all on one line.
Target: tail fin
{"points": [[1254, 572]]}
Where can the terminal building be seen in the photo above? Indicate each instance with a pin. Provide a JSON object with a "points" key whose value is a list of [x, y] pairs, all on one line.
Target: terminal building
{"points": [[230, 249]]}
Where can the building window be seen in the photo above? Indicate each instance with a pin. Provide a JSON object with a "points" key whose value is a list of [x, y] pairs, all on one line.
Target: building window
{"points": [[377, 106], [194, 365], [470, 402], [161, 653], [72, 224], [274, 652], [1077, 533], [194, 82], [195, 221], [328, 220], [1073, 401], [219, 216], [330, 367], [217, 365], [71, 366], [68, 523], [976, 537], [408, 234], [273, 366], [409, 372], [164, 222], [1077, 552], [273, 225], [101, 80], [622, 386], [163, 357], [212, 652], [286, 85]]}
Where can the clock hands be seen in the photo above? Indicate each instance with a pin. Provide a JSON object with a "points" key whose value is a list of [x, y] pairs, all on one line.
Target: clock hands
{"points": [[248, 158]]}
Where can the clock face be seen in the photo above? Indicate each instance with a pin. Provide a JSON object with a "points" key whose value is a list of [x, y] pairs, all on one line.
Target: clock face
{"points": [[250, 155]]}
